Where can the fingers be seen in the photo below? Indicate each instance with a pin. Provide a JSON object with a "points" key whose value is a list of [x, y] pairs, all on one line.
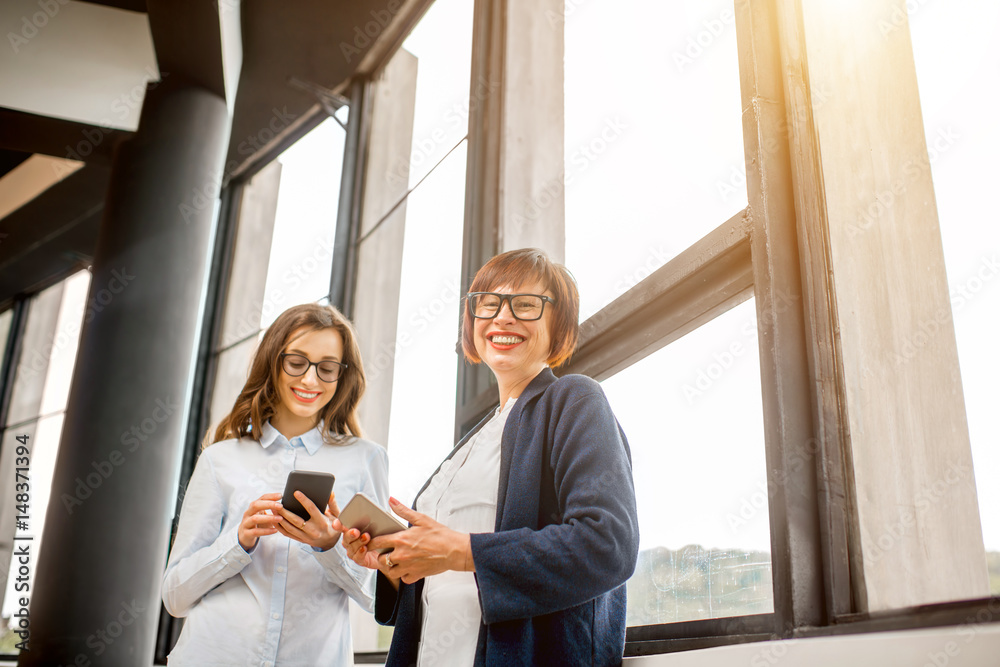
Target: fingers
{"points": [[264, 503], [333, 509], [309, 505], [414, 517]]}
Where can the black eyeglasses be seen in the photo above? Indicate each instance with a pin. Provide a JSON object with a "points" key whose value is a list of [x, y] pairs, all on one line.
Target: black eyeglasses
{"points": [[487, 305], [296, 365]]}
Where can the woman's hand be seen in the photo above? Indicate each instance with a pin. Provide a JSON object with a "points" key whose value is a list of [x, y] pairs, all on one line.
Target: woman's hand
{"points": [[424, 549], [318, 530], [356, 545], [257, 522]]}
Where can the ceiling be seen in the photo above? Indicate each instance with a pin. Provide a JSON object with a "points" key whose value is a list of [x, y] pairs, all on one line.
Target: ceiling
{"points": [[287, 52]]}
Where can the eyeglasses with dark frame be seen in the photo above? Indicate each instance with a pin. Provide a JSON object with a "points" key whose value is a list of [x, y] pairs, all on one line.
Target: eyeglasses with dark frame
{"points": [[525, 307], [297, 365]]}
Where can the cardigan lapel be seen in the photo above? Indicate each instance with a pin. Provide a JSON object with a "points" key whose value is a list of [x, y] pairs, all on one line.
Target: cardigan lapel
{"points": [[510, 431]]}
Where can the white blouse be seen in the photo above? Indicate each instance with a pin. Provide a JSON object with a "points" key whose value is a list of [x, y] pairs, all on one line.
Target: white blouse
{"points": [[284, 602], [463, 496]]}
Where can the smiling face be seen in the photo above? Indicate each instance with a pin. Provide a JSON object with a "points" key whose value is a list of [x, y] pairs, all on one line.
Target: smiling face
{"points": [[512, 348], [301, 398]]}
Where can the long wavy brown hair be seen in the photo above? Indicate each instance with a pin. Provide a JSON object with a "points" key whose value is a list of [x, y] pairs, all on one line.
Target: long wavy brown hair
{"points": [[257, 402]]}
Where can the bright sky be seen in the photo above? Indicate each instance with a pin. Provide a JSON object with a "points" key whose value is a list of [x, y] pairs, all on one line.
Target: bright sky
{"points": [[670, 169]]}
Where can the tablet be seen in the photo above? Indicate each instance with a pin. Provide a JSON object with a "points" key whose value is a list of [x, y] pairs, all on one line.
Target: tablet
{"points": [[365, 515]]}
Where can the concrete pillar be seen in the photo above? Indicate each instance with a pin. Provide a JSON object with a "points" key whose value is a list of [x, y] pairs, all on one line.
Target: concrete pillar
{"points": [[531, 189], [246, 300], [380, 245], [96, 599], [867, 210]]}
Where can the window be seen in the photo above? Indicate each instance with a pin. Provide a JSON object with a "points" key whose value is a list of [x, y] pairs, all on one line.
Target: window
{"points": [[952, 54], [701, 482], [653, 136], [38, 404]]}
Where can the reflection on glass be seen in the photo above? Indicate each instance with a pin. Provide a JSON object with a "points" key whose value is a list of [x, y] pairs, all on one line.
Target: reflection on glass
{"points": [[953, 55], [692, 413], [654, 153]]}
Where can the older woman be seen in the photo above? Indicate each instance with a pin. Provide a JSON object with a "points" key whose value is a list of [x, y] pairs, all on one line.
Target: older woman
{"points": [[521, 542]]}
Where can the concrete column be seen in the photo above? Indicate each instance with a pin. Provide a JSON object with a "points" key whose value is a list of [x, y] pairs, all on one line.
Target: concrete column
{"points": [[245, 299], [96, 599], [531, 191], [380, 245], [863, 178]]}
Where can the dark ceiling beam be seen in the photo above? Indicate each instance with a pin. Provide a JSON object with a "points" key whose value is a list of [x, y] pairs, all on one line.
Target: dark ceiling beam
{"points": [[187, 37], [310, 42], [53, 235], [31, 133], [9, 160], [131, 5]]}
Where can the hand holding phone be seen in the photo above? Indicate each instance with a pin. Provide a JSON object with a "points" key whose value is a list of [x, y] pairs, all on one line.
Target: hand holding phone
{"points": [[316, 486], [365, 515]]}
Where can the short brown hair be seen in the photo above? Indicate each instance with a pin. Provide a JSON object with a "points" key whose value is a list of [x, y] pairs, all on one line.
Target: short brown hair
{"points": [[522, 267], [259, 398]]}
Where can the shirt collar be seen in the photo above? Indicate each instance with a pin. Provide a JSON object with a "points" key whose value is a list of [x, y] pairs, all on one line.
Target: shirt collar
{"points": [[312, 440]]}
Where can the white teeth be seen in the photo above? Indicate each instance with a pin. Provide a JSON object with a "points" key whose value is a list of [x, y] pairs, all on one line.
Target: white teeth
{"points": [[302, 394], [506, 340]]}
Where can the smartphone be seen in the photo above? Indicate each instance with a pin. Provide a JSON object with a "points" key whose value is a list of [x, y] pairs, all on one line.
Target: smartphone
{"points": [[316, 486], [362, 513]]}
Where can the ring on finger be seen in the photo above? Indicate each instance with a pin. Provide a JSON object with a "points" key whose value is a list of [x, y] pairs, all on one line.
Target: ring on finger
{"points": [[388, 563]]}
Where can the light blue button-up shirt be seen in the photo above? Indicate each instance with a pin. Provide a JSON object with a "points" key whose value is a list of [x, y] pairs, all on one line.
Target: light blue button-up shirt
{"points": [[284, 602]]}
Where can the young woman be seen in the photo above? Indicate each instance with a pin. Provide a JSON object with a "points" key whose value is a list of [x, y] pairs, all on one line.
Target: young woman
{"points": [[258, 584]]}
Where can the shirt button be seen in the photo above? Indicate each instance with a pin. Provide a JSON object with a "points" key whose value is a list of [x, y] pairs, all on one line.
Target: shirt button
{"points": [[281, 569], [276, 616]]}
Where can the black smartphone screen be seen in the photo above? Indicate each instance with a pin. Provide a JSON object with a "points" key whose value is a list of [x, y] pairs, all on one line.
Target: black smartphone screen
{"points": [[316, 486]]}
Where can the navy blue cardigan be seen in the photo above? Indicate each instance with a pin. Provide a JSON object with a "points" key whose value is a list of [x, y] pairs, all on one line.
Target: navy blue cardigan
{"points": [[552, 577]]}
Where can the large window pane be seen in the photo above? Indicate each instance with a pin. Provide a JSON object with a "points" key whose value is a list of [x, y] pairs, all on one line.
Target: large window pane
{"points": [[956, 50], [422, 423], [305, 221], [40, 395], [693, 416], [654, 142], [442, 44]]}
